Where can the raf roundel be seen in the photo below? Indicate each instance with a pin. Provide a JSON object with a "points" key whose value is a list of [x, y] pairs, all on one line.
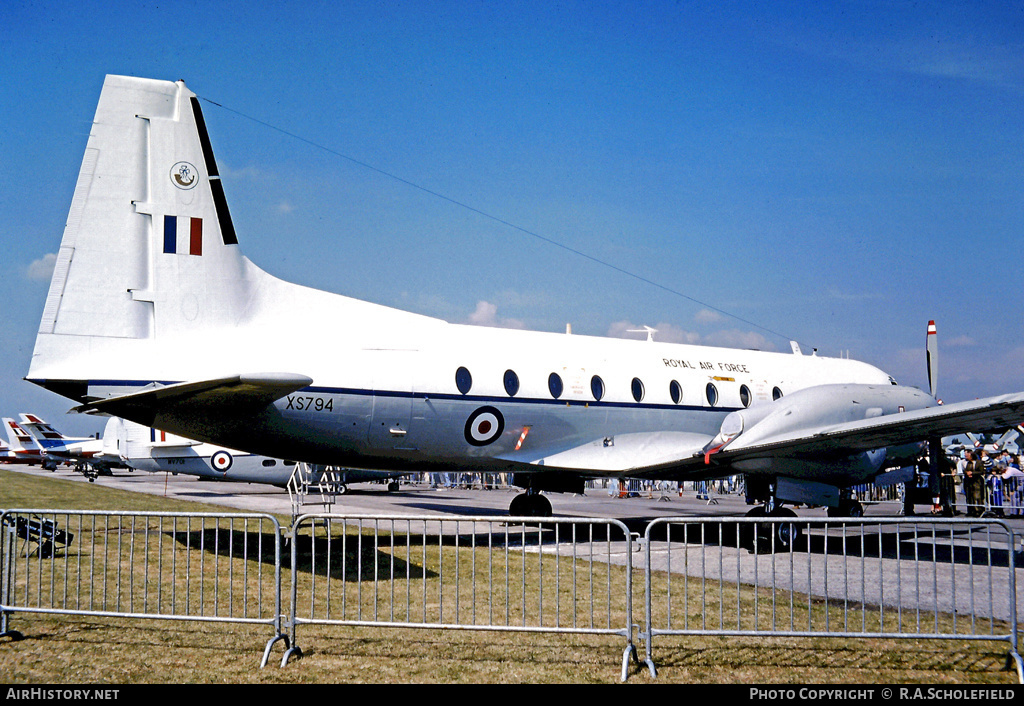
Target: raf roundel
{"points": [[484, 426], [221, 461]]}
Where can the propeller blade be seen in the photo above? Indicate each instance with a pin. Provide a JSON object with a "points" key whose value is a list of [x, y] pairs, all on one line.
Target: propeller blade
{"points": [[932, 353]]}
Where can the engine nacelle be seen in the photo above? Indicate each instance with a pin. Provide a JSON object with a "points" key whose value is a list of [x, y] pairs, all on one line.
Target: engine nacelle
{"points": [[815, 410]]}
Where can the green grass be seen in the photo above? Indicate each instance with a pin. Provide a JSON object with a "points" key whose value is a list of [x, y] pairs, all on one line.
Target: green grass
{"points": [[87, 649]]}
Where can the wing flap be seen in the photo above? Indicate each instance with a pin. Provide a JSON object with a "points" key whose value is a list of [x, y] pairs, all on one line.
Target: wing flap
{"points": [[625, 454]]}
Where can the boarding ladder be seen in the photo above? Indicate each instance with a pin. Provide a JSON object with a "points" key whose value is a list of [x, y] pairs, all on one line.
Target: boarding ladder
{"points": [[324, 482]]}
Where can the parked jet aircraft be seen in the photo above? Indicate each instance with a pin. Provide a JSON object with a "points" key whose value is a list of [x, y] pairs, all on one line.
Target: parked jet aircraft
{"points": [[147, 449], [1007, 441], [90, 456], [155, 315], [23, 448]]}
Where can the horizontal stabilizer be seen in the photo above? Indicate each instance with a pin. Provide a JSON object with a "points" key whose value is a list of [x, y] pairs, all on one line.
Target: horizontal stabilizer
{"points": [[229, 395]]}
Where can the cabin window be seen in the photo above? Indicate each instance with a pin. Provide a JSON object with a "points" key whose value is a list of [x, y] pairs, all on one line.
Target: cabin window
{"points": [[597, 387], [463, 380], [675, 391], [555, 385], [711, 392], [776, 393], [269, 462], [637, 387], [511, 381], [745, 398]]}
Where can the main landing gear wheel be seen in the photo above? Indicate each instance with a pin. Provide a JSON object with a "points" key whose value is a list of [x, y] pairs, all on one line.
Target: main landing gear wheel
{"points": [[786, 533], [848, 507], [530, 505], [770, 536]]}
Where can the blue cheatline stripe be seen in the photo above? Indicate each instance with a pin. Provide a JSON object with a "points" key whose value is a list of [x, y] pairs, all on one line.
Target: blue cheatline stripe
{"points": [[170, 234], [479, 399]]}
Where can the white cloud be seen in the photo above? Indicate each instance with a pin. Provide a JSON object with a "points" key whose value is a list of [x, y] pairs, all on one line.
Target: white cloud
{"points": [[707, 316], [486, 314], [670, 333], [734, 338], [250, 173], [42, 269]]}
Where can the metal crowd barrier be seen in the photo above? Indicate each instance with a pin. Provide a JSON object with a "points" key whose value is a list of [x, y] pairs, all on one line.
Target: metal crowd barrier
{"points": [[998, 497], [468, 573], [876, 578], [920, 578], [159, 565]]}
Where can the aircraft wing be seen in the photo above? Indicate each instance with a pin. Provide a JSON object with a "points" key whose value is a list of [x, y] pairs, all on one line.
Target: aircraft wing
{"points": [[687, 455], [993, 413], [227, 395]]}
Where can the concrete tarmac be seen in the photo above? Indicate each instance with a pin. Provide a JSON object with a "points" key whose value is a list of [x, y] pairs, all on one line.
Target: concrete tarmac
{"points": [[420, 499]]}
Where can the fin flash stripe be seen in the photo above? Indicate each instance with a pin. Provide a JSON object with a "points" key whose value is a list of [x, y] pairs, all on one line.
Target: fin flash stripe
{"points": [[195, 235]]}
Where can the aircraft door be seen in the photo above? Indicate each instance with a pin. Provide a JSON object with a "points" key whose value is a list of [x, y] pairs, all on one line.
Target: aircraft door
{"points": [[390, 424]]}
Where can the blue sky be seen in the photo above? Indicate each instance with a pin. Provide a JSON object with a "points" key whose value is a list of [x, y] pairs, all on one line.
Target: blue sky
{"points": [[735, 173]]}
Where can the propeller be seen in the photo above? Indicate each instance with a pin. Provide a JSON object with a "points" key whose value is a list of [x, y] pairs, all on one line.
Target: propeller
{"points": [[932, 355], [935, 450]]}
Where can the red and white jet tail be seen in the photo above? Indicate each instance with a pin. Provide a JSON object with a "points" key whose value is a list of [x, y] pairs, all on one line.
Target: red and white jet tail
{"points": [[23, 446], [42, 431]]}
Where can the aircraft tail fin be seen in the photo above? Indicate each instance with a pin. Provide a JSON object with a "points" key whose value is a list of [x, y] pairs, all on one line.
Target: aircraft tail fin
{"points": [[148, 186], [41, 431], [149, 271], [149, 250], [20, 440]]}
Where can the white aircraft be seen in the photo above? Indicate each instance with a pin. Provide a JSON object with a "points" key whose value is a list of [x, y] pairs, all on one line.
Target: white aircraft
{"points": [[90, 456], [147, 449], [154, 315]]}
